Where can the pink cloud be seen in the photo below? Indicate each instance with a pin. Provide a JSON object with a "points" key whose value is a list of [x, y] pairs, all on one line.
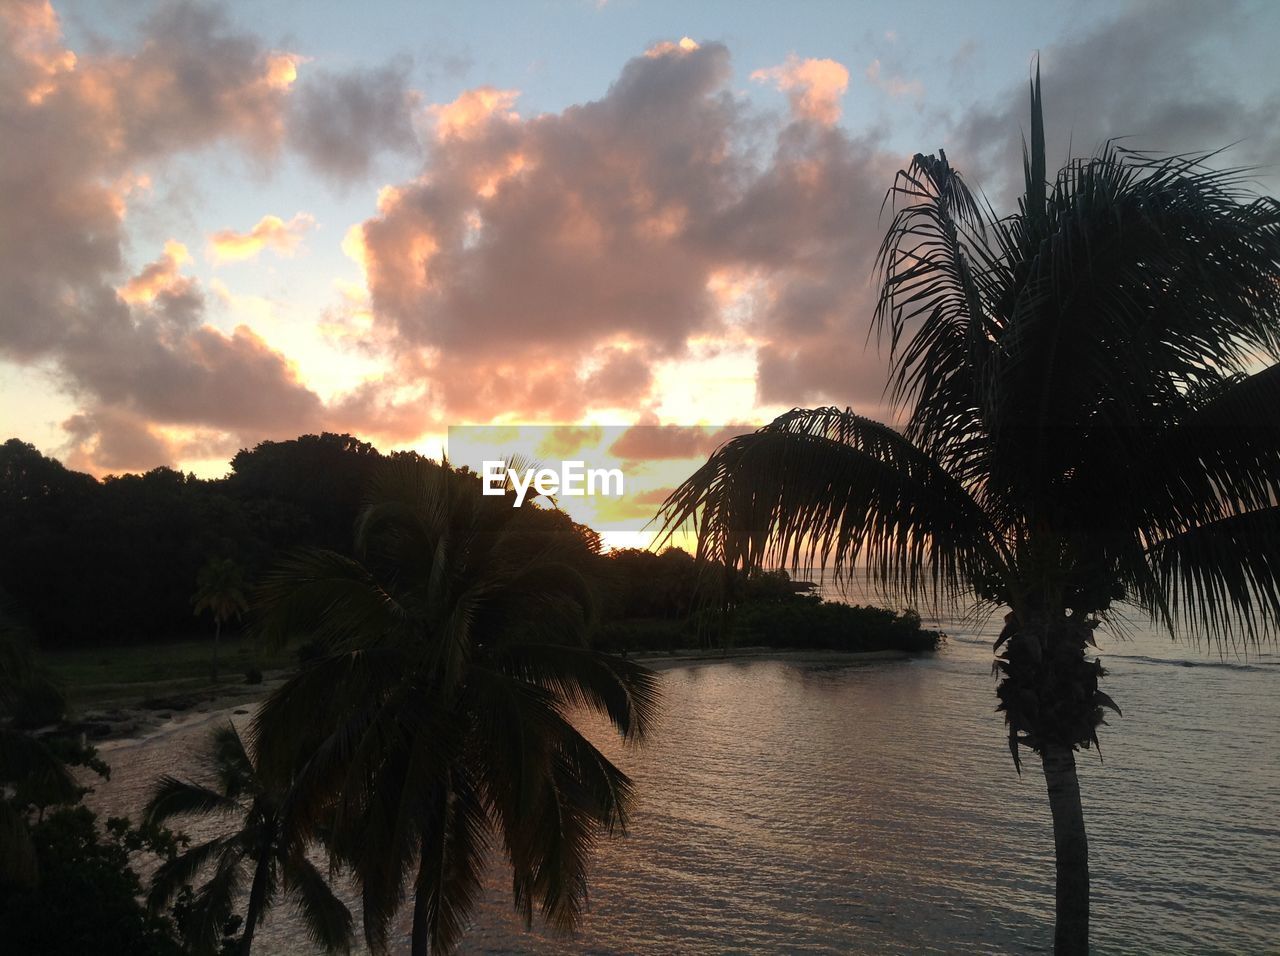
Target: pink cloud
{"points": [[270, 232], [814, 87]]}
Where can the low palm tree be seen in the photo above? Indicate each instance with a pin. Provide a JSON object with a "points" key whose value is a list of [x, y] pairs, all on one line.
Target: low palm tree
{"points": [[261, 844], [220, 591], [1092, 421], [436, 724]]}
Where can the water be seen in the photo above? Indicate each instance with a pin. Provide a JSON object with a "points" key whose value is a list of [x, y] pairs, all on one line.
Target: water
{"points": [[816, 806]]}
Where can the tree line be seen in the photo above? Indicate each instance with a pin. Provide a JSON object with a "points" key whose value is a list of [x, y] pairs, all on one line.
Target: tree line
{"points": [[128, 559]]}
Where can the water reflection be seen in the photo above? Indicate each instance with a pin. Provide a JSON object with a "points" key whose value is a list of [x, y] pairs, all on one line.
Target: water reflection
{"points": [[826, 807]]}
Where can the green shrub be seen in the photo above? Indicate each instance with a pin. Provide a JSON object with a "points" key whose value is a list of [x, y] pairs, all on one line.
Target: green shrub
{"points": [[811, 623]]}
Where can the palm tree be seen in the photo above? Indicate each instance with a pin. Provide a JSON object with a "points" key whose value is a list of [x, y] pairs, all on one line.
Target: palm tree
{"points": [[263, 841], [436, 723], [220, 591], [1089, 424]]}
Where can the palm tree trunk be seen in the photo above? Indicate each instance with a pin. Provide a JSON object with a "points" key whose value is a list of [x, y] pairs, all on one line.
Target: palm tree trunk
{"points": [[1071, 930], [257, 901]]}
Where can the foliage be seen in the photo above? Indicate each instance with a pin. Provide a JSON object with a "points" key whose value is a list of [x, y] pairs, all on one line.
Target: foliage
{"points": [[263, 847], [112, 561], [435, 723], [641, 634], [87, 898], [642, 584], [810, 623], [1091, 386], [220, 590], [33, 770]]}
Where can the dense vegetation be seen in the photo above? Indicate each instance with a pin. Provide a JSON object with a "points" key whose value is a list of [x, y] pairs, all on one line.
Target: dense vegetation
{"points": [[445, 641], [116, 561], [128, 559]]}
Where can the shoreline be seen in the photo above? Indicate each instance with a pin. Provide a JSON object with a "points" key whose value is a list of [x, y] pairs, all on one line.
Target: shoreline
{"points": [[691, 657], [135, 723]]}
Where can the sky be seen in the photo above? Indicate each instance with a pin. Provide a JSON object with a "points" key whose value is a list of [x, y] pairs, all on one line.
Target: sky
{"points": [[229, 222]]}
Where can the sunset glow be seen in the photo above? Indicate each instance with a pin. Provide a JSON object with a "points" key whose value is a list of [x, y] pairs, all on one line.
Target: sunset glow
{"points": [[678, 229]]}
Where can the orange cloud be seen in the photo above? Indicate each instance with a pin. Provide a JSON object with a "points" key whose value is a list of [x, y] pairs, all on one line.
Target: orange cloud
{"points": [[282, 70], [473, 110], [540, 280], [159, 277], [667, 48], [651, 441], [814, 87], [38, 34], [272, 232]]}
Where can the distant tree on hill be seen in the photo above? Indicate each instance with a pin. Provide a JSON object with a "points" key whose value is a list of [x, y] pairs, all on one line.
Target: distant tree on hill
{"points": [[220, 590], [326, 477]]}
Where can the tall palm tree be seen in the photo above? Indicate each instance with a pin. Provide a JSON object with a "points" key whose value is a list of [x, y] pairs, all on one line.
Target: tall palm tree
{"points": [[436, 724], [220, 591], [261, 841], [1090, 423]]}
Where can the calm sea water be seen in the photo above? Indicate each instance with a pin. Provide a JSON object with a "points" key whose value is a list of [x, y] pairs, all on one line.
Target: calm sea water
{"points": [[812, 806]]}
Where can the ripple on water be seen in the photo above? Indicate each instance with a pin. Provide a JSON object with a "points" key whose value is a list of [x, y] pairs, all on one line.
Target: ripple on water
{"points": [[820, 808]]}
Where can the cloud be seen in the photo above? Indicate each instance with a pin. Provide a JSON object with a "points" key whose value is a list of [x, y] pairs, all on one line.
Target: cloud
{"points": [[114, 440], [270, 232], [131, 349], [814, 87], [537, 266], [650, 442], [543, 266], [472, 111], [1143, 74], [895, 85], [671, 48], [341, 122], [162, 277]]}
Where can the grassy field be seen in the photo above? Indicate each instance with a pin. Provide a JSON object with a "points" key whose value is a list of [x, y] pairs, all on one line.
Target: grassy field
{"points": [[126, 675]]}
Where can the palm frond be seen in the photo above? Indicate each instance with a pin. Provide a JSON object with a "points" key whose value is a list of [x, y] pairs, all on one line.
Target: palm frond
{"points": [[184, 869], [827, 485], [931, 289], [327, 597], [451, 865], [172, 797], [626, 692], [316, 701], [212, 906], [326, 918], [1223, 578]]}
